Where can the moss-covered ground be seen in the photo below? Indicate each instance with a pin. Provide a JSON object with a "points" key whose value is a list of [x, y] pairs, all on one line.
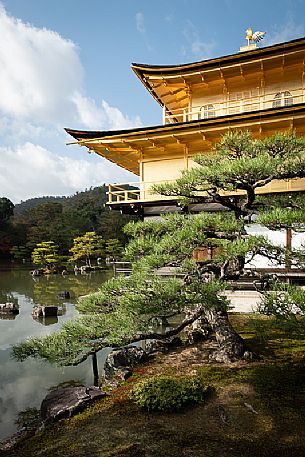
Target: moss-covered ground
{"points": [[257, 408]]}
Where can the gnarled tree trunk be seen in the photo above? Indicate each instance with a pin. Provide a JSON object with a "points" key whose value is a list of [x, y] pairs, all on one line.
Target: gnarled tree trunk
{"points": [[231, 344]]}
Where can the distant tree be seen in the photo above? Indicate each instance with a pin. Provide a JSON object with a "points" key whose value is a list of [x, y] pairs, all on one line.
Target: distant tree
{"points": [[46, 254], [87, 247], [44, 222], [113, 248], [5, 244], [111, 224], [24, 206], [20, 252], [6, 209], [61, 219], [6, 229]]}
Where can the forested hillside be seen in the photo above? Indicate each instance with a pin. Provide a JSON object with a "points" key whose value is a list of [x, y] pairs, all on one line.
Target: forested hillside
{"points": [[59, 219], [97, 192], [22, 207]]}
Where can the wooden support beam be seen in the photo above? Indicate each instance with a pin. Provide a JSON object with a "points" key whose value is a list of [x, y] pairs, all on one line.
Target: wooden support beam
{"points": [[288, 247]]}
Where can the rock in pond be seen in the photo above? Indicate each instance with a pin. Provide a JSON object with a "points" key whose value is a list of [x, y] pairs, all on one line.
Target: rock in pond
{"points": [[37, 272], [65, 402], [44, 311], [9, 308]]}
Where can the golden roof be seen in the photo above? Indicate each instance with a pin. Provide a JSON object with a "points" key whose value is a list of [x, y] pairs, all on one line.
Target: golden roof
{"points": [[170, 84]]}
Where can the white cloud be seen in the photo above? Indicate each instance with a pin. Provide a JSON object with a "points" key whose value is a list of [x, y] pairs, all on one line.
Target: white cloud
{"points": [[109, 117], [201, 48], [30, 170], [39, 69], [117, 120], [140, 25], [12, 129], [41, 79], [140, 22], [287, 32], [90, 115], [195, 46]]}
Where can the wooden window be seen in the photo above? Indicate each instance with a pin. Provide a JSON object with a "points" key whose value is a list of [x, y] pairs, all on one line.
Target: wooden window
{"points": [[245, 101], [207, 112], [282, 99]]}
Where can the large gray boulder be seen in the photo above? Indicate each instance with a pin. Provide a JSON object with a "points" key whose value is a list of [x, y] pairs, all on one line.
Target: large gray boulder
{"points": [[118, 364], [164, 345], [65, 402]]}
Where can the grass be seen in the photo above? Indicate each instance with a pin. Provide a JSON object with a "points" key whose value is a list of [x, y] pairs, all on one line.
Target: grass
{"points": [[257, 409]]}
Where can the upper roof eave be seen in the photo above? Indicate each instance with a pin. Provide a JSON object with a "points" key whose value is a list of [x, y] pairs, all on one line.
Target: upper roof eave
{"points": [[166, 72], [238, 57]]}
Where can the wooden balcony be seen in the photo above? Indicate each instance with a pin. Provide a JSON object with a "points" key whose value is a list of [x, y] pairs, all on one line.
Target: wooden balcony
{"points": [[123, 193], [134, 192], [142, 192], [237, 102]]}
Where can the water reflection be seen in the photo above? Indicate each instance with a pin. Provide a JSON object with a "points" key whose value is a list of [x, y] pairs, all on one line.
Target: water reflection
{"points": [[5, 299], [8, 316], [24, 385], [46, 320]]}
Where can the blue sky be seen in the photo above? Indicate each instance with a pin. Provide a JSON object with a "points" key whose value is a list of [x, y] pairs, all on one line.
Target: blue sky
{"points": [[67, 64]]}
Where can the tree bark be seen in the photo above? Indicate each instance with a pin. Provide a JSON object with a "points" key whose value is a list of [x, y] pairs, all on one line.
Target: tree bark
{"points": [[231, 344]]}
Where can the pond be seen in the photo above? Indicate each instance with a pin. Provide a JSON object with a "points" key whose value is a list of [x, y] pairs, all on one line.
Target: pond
{"points": [[25, 384]]}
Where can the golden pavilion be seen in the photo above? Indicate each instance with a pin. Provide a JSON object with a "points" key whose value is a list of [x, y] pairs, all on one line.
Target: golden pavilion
{"points": [[258, 89]]}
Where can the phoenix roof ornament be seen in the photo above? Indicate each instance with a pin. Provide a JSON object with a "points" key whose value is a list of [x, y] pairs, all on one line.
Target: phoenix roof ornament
{"points": [[255, 37]]}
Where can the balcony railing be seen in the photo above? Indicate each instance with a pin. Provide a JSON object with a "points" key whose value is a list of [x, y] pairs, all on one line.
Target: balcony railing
{"points": [[134, 191], [240, 105], [127, 192]]}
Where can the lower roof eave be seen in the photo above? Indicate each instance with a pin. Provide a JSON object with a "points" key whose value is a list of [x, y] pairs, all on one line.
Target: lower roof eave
{"points": [[125, 147], [83, 136]]}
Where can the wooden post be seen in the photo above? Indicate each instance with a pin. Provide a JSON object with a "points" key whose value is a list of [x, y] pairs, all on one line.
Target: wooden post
{"points": [[288, 246], [109, 193], [164, 114]]}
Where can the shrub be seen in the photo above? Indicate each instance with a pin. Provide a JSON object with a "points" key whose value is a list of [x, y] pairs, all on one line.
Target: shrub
{"points": [[165, 393]]}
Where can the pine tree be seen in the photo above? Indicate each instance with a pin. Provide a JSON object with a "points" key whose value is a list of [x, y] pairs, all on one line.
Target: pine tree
{"points": [[206, 250], [88, 246], [45, 254], [113, 248]]}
